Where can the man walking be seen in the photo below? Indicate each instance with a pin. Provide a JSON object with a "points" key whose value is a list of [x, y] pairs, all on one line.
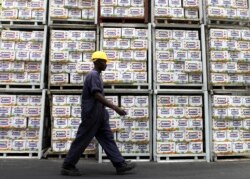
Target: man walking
{"points": [[95, 122]]}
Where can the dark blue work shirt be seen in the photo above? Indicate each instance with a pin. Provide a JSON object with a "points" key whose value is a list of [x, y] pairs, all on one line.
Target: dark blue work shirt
{"points": [[93, 83]]}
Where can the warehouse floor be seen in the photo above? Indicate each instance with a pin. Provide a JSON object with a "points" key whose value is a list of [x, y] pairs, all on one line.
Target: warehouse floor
{"points": [[44, 169]]}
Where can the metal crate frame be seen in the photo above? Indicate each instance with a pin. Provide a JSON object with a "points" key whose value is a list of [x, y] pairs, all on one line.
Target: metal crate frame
{"points": [[135, 157], [194, 87], [206, 131], [29, 154], [69, 22], [69, 87], [137, 87], [31, 86]]}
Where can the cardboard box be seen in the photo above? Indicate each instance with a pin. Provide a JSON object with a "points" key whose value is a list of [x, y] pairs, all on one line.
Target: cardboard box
{"points": [[17, 134], [141, 33], [127, 101], [18, 145], [217, 78], [180, 55], [222, 147], [165, 100], [137, 3], [33, 122], [164, 55], [126, 77], [60, 123], [36, 56], [166, 147], [18, 45], [175, 45], [38, 36], [110, 44], [136, 11], [18, 111], [110, 77], [181, 124], [58, 45], [181, 100], [124, 136], [195, 101], [238, 147], [236, 101], [89, 35], [128, 148], [175, 3], [108, 2], [5, 111], [164, 136], [162, 46], [236, 124], [219, 34], [8, 45], [8, 100], [165, 124], [216, 12], [191, 14], [233, 135], [141, 101], [9, 14], [7, 55], [221, 100], [139, 113], [242, 13], [115, 124], [194, 135], [243, 45], [121, 11], [32, 145], [182, 148], [161, 34], [76, 78], [245, 135], [62, 56], [219, 136], [140, 136], [75, 14], [24, 14], [59, 146], [84, 67], [59, 13], [163, 77], [60, 134], [179, 112], [57, 68], [59, 35], [86, 46], [246, 101], [164, 112], [19, 122], [191, 44], [180, 78], [74, 122], [33, 111], [234, 34], [76, 111], [74, 100], [177, 12], [191, 35], [190, 3], [163, 12], [139, 44], [140, 55], [245, 112], [161, 3], [112, 33], [5, 123], [138, 66], [61, 111], [122, 66], [195, 147], [127, 55], [32, 134], [196, 123], [179, 34], [125, 3], [220, 125], [140, 77], [34, 78], [163, 66], [59, 100]]}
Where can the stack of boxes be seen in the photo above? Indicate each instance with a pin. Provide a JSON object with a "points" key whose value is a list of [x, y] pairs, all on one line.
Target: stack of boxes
{"points": [[66, 118], [21, 55], [132, 132], [70, 55], [228, 9], [179, 125], [122, 8], [231, 124], [23, 10], [72, 9], [229, 56], [176, 9], [127, 50], [20, 123], [178, 57]]}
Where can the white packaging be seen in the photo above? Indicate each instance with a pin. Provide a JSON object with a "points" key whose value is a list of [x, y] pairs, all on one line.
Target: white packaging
{"points": [[73, 133], [141, 101], [37, 35], [74, 100], [163, 77], [72, 45], [112, 33], [163, 66], [165, 124], [141, 125], [180, 55], [8, 45], [120, 11], [125, 3], [141, 33], [17, 134], [124, 136], [233, 135], [61, 111], [128, 148], [108, 2], [75, 14], [59, 100], [246, 101], [6, 66], [123, 44], [139, 113], [60, 134], [19, 122], [175, 3], [181, 148], [110, 44], [245, 112], [139, 44], [115, 124], [86, 46], [164, 136], [175, 45], [164, 112], [36, 56], [195, 101], [8, 100], [220, 125], [181, 124], [84, 67], [59, 146], [165, 147], [7, 55], [140, 77], [59, 13], [89, 35], [194, 136], [218, 44], [59, 35], [216, 12], [33, 122], [126, 77], [196, 123], [5, 111], [5, 123], [74, 122], [243, 45], [242, 13], [22, 55], [234, 112], [127, 125], [71, 67], [162, 45], [220, 112], [9, 13], [163, 12], [18, 111], [161, 3], [33, 111], [32, 134], [245, 135], [220, 100], [140, 55], [76, 111], [193, 66], [191, 3], [195, 147], [178, 112], [238, 147], [32, 145], [24, 14], [181, 100], [179, 34], [139, 136], [236, 100], [59, 78], [191, 44], [191, 14], [219, 78], [136, 12], [219, 136], [18, 145], [194, 55], [110, 77], [164, 55], [218, 67], [178, 66], [76, 78], [161, 34], [236, 124], [60, 123], [62, 56], [34, 78], [219, 34], [180, 78], [142, 148], [126, 55], [5, 145], [107, 11], [58, 45], [57, 68], [128, 101], [222, 147], [138, 66], [234, 34], [137, 3], [165, 100], [112, 114]]}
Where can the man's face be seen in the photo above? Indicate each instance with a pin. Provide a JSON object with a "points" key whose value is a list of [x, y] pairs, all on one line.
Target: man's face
{"points": [[101, 64]]}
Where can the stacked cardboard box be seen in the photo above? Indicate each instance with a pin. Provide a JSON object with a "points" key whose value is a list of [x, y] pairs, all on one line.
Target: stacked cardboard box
{"points": [[21, 54], [20, 122], [178, 57], [179, 125], [127, 50], [229, 56], [70, 55]]}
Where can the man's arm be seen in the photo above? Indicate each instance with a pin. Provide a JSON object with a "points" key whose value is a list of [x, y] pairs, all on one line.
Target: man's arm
{"points": [[105, 102]]}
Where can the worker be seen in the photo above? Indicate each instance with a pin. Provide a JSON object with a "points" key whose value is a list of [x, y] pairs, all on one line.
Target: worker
{"points": [[95, 122]]}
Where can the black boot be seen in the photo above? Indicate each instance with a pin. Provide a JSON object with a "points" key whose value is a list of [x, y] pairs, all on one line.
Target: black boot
{"points": [[70, 171], [124, 167]]}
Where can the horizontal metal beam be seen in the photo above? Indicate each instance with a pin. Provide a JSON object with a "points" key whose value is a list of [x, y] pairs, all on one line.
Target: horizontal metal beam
{"points": [[123, 25]]}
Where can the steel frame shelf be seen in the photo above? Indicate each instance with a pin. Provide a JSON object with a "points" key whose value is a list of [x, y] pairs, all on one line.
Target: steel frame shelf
{"points": [[138, 157], [28, 86], [134, 86], [29, 154], [177, 21], [72, 22], [195, 87], [206, 130]]}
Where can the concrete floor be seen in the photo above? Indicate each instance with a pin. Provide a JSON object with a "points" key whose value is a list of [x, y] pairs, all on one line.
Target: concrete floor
{"points": [[46, 169]]}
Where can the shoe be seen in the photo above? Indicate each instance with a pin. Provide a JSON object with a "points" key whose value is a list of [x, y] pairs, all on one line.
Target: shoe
{"points": [[125, 166], [72, 171]]}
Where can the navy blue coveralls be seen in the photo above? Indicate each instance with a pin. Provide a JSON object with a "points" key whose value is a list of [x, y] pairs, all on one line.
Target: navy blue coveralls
{"points": [[95, 123]]}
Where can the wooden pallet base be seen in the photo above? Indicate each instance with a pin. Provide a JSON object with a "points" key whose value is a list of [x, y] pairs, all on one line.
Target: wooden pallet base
{"points": [[181, 158], [122, 20], [66, 87], [236, 87], [71, 22], [230, 22], [177, 21], [179, 86], [126, 86], [19, 155], [231, 157], [21, 22], [19, 86]]}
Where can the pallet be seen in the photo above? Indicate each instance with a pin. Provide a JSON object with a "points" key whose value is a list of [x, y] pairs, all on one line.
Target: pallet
{"points": [[21, 22], [231, 157], [122, 20], [177, 21], [20, 86], [17, 155], [134, 158], [126, 86], [181, 158], [66, 87], [231, 87], [230, 22], [71, 22], [165, 87]]}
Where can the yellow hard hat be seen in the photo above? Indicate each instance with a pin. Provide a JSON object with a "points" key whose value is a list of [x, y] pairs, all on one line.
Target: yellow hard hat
{"points": [[99, 55]]}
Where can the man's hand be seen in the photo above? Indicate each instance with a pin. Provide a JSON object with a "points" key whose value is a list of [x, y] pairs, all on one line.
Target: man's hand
{"points": [[120, 111]]}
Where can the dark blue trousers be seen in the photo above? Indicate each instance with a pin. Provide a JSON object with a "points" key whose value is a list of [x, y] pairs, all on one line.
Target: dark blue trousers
{"points": [[94, 125]]}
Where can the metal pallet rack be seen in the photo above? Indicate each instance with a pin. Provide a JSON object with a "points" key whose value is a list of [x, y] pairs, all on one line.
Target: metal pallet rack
{"points": [[29, 86], [138, 157], [185, 89], [28, 21], [171, 20], [132, 87], [29, 154], [70, 87], [70, 22], [50, 153]]}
